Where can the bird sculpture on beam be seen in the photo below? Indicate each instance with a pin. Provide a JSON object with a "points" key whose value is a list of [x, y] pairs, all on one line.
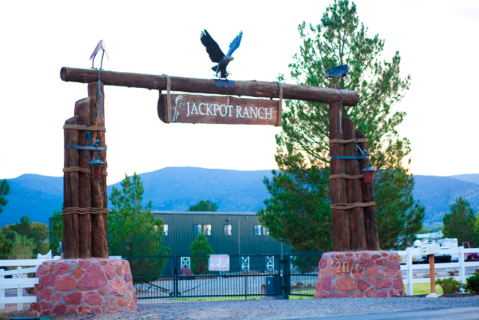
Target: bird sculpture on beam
{"points": [[99, 46], [337, 72], [217, 56]]}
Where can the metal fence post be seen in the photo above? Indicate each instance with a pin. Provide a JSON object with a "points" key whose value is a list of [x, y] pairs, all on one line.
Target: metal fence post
{"points": [[286, 276], [175, 276]]}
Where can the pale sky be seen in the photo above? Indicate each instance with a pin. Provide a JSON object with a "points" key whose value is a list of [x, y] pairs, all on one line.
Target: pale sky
{"points": [[437, 41]]}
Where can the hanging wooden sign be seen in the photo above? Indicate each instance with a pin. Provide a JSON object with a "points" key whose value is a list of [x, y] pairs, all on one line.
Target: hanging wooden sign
{"points": [[219, 109]]}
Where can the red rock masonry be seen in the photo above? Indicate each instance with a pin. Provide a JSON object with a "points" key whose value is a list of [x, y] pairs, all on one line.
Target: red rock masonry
{"points": [[81, 286], [359, 274]]}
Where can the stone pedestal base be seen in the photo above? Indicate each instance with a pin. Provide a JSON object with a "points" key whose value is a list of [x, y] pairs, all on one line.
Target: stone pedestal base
{"points": [[359, 274], [84, 286]]}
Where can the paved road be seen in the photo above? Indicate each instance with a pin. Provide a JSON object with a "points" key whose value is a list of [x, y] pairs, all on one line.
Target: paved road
{"points": [[436, 314]]}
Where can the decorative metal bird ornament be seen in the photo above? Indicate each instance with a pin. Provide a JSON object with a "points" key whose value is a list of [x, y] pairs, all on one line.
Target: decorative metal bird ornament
{"points": [[337, 72], [99, 46], [216, 55]]}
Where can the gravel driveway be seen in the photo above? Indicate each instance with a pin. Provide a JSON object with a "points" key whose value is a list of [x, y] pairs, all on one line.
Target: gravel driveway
{"points": [[285, 309]]}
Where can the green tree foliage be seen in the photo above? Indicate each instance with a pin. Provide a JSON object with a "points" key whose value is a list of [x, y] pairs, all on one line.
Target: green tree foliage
{"points": [[4, 190], [204, 206], [459, 223], [23, 247], [303, 145], [5, 246], [200, 247], [36, 231], [57, 231], [298, 211], [134, 230]]}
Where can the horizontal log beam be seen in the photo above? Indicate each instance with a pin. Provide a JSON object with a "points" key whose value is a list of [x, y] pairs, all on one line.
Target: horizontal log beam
{"points": [[242, 88]]}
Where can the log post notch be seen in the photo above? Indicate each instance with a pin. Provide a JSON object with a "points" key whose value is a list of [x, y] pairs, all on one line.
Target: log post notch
{"points": [[341, 230], [82, 113], [71, 248], [370, 222], [358, 233], [98, 186]]}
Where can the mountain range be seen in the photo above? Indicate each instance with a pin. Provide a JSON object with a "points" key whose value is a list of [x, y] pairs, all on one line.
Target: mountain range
{"points": [[176, 188]]}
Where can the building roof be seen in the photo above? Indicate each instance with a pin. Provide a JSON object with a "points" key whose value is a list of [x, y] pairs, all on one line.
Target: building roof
{"points": [[206, 213]]}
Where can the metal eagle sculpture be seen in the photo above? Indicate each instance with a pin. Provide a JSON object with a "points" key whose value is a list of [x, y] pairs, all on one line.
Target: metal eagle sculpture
{"points": [[216, 55]]}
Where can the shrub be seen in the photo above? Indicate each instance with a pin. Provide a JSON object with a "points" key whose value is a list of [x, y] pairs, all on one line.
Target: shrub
{"points": [[449, 285], [472, 284], [22, 247], [200, 247]]}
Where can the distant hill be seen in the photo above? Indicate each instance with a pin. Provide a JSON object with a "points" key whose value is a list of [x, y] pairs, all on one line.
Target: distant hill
{"points": [[32, 195], [177, 188], [472, 177], [438, 193]]}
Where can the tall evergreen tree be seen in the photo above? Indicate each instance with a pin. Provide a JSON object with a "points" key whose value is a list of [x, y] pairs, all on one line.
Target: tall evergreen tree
{"points": [[4, 190], [134, 230], [128, 218], [200, 247], [204, 206], [303, 145], [460, 222]]}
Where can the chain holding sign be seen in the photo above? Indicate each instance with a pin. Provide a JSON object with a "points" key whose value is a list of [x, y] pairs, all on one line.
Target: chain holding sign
{"points": [[187, 108]]}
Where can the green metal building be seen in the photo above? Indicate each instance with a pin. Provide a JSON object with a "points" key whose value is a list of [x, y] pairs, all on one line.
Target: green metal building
{"points": [[233, 233]]}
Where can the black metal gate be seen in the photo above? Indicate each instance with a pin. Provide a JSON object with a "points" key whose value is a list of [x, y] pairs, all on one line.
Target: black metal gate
{"points": [[300, 274], [176, 277]]}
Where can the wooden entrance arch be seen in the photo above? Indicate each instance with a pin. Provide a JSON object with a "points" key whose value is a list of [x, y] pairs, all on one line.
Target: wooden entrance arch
{"points": [[85, 200]]}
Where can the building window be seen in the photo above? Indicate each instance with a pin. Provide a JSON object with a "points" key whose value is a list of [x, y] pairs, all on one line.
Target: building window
{"points": [[165, 229], [207, 229], [197, 229], [265, 231], [257, 229], [228, 230]]}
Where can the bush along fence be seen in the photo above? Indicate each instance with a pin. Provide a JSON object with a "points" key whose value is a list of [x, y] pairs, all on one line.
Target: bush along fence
{"points": [[412, 269], [246, 276]]}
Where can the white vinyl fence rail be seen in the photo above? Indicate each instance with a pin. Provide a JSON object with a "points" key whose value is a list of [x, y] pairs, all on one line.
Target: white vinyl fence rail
{"points": [[18, 281], [409, 267]]}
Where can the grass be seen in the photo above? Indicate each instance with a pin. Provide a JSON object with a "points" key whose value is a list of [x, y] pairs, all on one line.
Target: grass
{"points": [[424, 288], [419, 289]]}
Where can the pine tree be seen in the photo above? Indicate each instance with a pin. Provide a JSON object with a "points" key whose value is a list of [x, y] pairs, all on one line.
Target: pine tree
{"points": [[303, 145], [134, 230], [4, 190], [200, 247], [460, 222]]}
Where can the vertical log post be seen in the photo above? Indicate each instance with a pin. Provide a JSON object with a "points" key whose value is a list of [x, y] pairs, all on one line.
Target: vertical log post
{"points": [[341, 234], [98, 187], [70, 194], [370, 221], [358, 233], [82, 113]]}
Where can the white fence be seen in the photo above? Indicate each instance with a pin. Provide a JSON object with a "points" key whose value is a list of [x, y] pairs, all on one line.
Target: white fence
{"points": [[461, 265], [18, 281]]}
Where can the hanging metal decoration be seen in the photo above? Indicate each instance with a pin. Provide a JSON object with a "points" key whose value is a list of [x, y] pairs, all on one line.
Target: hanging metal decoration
{"points": [[96, 166], [369, 173]]}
